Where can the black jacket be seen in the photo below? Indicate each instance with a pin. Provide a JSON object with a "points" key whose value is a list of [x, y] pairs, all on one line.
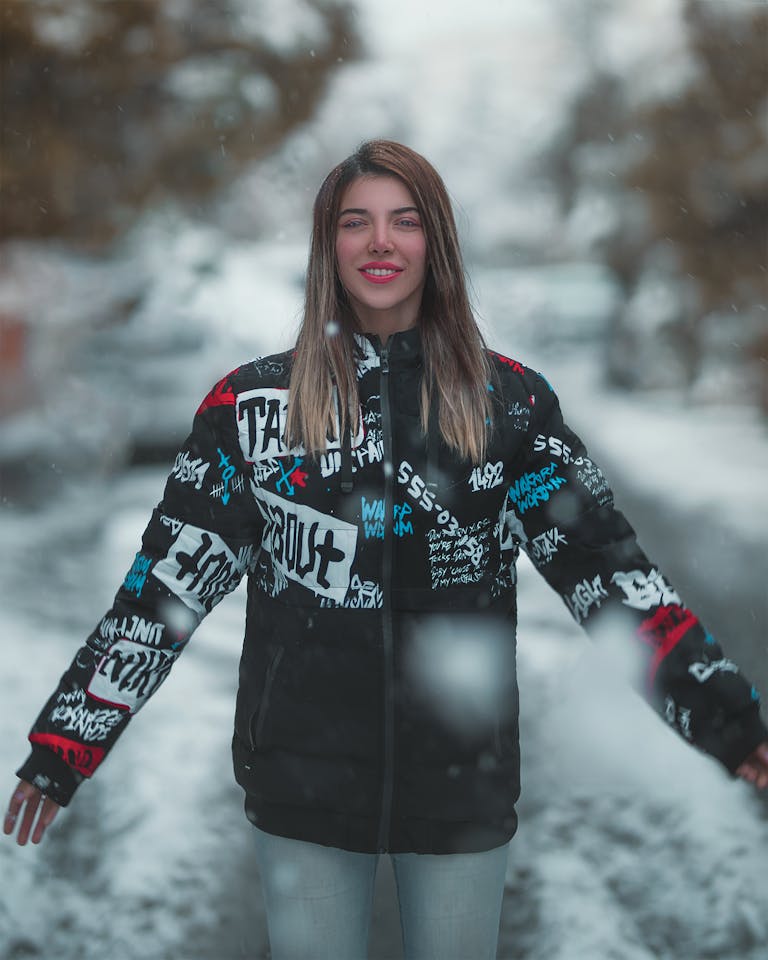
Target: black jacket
{"points": [[377, 707]]}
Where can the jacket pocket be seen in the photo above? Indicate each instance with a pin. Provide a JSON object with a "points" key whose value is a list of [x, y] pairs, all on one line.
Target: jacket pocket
{"points": [[259, 718]]}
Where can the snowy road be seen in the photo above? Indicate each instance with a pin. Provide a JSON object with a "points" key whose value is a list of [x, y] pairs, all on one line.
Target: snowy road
{"points": [[631, 846]]}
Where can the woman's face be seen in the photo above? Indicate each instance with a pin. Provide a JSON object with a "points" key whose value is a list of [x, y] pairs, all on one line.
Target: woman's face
{"points": [[381, 253]]}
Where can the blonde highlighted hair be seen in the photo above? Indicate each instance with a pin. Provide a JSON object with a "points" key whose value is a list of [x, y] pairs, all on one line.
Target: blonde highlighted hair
{"points": [[456, 367]]}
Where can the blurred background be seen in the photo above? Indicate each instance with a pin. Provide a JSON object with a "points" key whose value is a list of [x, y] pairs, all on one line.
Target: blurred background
{"points": [[608, 161]]}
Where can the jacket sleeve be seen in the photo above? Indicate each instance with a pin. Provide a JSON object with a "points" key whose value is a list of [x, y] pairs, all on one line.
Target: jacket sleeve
{"points": [[587, 551], [197, 545]]}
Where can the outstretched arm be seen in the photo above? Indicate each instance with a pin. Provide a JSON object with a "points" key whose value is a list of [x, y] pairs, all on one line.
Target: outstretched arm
{"points": [[588, 552], [198, 544]]}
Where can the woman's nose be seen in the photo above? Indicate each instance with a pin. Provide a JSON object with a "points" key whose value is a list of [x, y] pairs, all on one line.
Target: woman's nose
{"points": [[380, 239]]}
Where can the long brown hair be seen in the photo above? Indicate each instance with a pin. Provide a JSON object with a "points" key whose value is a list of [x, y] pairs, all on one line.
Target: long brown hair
{"points": [[455, 360]]}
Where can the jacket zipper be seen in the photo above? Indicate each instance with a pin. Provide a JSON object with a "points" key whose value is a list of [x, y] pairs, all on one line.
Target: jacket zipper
{"points": [[257, 729], [386, 612]]}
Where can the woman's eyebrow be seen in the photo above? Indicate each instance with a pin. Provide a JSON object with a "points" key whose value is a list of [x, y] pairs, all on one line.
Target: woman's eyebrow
{"points": [[395, 212]]}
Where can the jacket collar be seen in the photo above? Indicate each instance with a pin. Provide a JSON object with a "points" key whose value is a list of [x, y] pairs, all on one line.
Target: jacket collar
{"points": [[404, 348]]}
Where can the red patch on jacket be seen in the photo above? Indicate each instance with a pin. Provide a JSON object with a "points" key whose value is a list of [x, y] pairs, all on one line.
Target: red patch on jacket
{"points": [[664, 630], [517, 367], [222, 395], [83, 759]]}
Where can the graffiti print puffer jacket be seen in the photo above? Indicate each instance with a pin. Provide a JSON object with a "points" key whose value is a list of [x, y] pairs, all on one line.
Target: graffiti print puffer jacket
{"points": [[377, 706]]}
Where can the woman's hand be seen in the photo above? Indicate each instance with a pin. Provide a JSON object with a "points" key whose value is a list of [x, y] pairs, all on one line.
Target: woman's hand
{"points": [[24, 806], [755, 767]]}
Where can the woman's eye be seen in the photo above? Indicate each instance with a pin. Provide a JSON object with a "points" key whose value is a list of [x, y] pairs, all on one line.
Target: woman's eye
{"points": [[350, 223], [408, 222]]}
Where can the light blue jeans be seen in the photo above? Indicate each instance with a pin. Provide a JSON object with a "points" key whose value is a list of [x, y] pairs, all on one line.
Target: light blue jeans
{"points": [[319, 901]]}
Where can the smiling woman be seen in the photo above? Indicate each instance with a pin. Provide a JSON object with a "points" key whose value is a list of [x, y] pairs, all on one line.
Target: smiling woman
{"points": [[386, 206], [376, 485]]}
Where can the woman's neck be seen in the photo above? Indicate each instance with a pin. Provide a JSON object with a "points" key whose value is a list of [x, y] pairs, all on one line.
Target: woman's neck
{"points": [[385, 329]]}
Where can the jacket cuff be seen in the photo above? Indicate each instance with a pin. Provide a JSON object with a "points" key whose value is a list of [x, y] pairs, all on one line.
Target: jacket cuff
{"points": [[737, 739], [50, 774]]}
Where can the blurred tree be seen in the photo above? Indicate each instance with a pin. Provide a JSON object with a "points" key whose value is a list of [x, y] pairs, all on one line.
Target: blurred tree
{"points": [[686, 180], [704, 176], [705, 170], [110, 106]]}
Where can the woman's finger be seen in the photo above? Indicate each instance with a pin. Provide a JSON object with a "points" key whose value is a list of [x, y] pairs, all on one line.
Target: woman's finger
{"points": [[14, 806], [746, 772], [46, 818], [28, 817]]}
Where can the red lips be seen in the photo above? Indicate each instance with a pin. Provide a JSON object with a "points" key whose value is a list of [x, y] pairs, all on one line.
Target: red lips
{"points": [[380, 265]]}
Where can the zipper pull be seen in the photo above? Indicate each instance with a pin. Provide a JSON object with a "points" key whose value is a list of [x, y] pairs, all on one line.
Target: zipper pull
{"points": [[384, 360]]}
